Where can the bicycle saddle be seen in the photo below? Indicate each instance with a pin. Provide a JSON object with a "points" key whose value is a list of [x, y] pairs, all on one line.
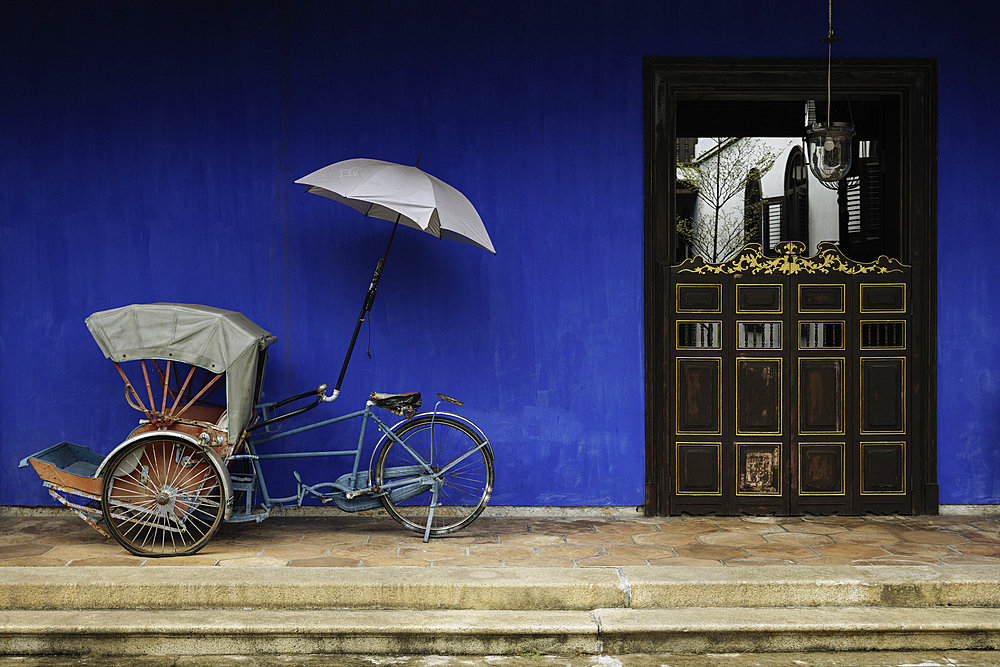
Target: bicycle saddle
{"points": [[404, 405]]}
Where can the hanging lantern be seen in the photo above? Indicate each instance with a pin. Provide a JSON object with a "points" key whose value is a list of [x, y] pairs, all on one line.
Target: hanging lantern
{"points": [[829, 150]]}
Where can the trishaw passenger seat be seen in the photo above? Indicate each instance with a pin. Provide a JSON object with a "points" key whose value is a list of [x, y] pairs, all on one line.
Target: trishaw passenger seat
{"points": [[404, 405]]}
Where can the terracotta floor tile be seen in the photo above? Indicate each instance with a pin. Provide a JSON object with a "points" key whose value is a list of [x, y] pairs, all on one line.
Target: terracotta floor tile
{"points": [[930, 523], [532, 539], [62, 539], [883, 525], [25, 550], [364, 552], [694, 528], [753, 528], [640, 551], [397, 539], [325, 540], [550, 527], [501, 551], [982, 536], [17, 538], [679, 561], [294, 551], [779, 520], [325, 561], [728, 539], [834, 518], [496, 526], [992, 525], [54, 526], [666, 539], [432, 550], [610, 561], [855, 551], [977, 549], [266, 539], [460, 539], [371, 539], [33, 561], [598, 539], [798, 539], [781, 551], [865, 537], [930, 537], [709, 552], [570, 552], [819, 528], [74, 552], [625, 528]]}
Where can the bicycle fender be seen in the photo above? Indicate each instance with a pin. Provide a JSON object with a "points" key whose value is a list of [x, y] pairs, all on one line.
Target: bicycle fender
{"points": [[468, 422], [213, 457]]}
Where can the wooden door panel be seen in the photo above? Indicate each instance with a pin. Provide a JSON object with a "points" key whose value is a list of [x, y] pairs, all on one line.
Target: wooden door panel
{"points": [[699, 396], [699, 468], [760, 469], [883, 468], [821, 469], [758, 396], [883, 395], [821, 395]]}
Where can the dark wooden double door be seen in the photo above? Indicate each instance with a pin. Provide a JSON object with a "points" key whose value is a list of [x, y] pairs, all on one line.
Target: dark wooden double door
{"points": [[789, 391]]}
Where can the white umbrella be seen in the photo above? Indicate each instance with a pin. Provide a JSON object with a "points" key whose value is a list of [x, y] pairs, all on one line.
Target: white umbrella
{"points": [[387, 190], [405, 195]]}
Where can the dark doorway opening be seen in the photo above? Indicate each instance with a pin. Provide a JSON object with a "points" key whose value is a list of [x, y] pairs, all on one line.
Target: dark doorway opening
{"points": [[893, 105]]}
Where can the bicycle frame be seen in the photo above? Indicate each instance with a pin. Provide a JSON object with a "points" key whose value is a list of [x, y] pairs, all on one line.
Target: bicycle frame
{"points": [[352, 492]]}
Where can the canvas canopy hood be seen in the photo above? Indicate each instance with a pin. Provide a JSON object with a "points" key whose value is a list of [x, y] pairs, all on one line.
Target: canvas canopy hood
{"points": [[214, 339]]}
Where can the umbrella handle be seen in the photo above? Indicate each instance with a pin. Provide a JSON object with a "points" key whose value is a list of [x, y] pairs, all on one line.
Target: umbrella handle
{"points": [[365, 308], [370, 297]]}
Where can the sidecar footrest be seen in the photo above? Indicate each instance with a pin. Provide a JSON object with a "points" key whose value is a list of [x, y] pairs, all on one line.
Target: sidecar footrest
{"points": [[404, 405]]}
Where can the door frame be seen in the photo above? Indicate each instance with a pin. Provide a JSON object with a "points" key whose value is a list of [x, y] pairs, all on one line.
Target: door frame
{"points": [[910, 82]]}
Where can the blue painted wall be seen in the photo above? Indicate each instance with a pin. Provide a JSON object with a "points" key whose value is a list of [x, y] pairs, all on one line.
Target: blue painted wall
{"points": [[148, 152]]}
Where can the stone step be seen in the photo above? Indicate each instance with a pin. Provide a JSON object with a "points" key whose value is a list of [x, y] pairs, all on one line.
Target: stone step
{"points": [[502, 588], [491, 632]]}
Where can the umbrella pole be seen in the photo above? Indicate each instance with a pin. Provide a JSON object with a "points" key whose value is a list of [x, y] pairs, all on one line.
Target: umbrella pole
{"points": [[369, 299], [365, 308]]}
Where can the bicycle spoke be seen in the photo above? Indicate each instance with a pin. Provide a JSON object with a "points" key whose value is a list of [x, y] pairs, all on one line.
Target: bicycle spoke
{"points": [[457, 460], [163, 498]]}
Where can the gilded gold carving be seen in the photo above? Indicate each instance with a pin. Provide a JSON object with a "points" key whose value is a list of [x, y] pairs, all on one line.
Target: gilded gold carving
{"points": [[828, 259]]}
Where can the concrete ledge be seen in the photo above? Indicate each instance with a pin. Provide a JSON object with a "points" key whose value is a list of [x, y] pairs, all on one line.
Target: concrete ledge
{"points": [[310, 588], [510, 588], [614, 631], [230, 632], [844, 585], [715, 630]]}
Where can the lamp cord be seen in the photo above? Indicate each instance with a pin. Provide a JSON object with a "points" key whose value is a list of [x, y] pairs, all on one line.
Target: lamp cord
{"points": [[829, 60]]}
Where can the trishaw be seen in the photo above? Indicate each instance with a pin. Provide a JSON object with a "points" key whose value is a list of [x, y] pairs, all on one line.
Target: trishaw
{"points": [[196, 458]]}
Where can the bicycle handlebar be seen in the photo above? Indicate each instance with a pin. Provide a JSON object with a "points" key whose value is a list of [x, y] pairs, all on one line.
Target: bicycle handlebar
{"points": [[320, 394]]}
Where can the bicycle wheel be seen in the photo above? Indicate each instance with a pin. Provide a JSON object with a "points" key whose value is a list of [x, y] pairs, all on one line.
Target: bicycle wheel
{"points": [[463, 468], [162, 497]]}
